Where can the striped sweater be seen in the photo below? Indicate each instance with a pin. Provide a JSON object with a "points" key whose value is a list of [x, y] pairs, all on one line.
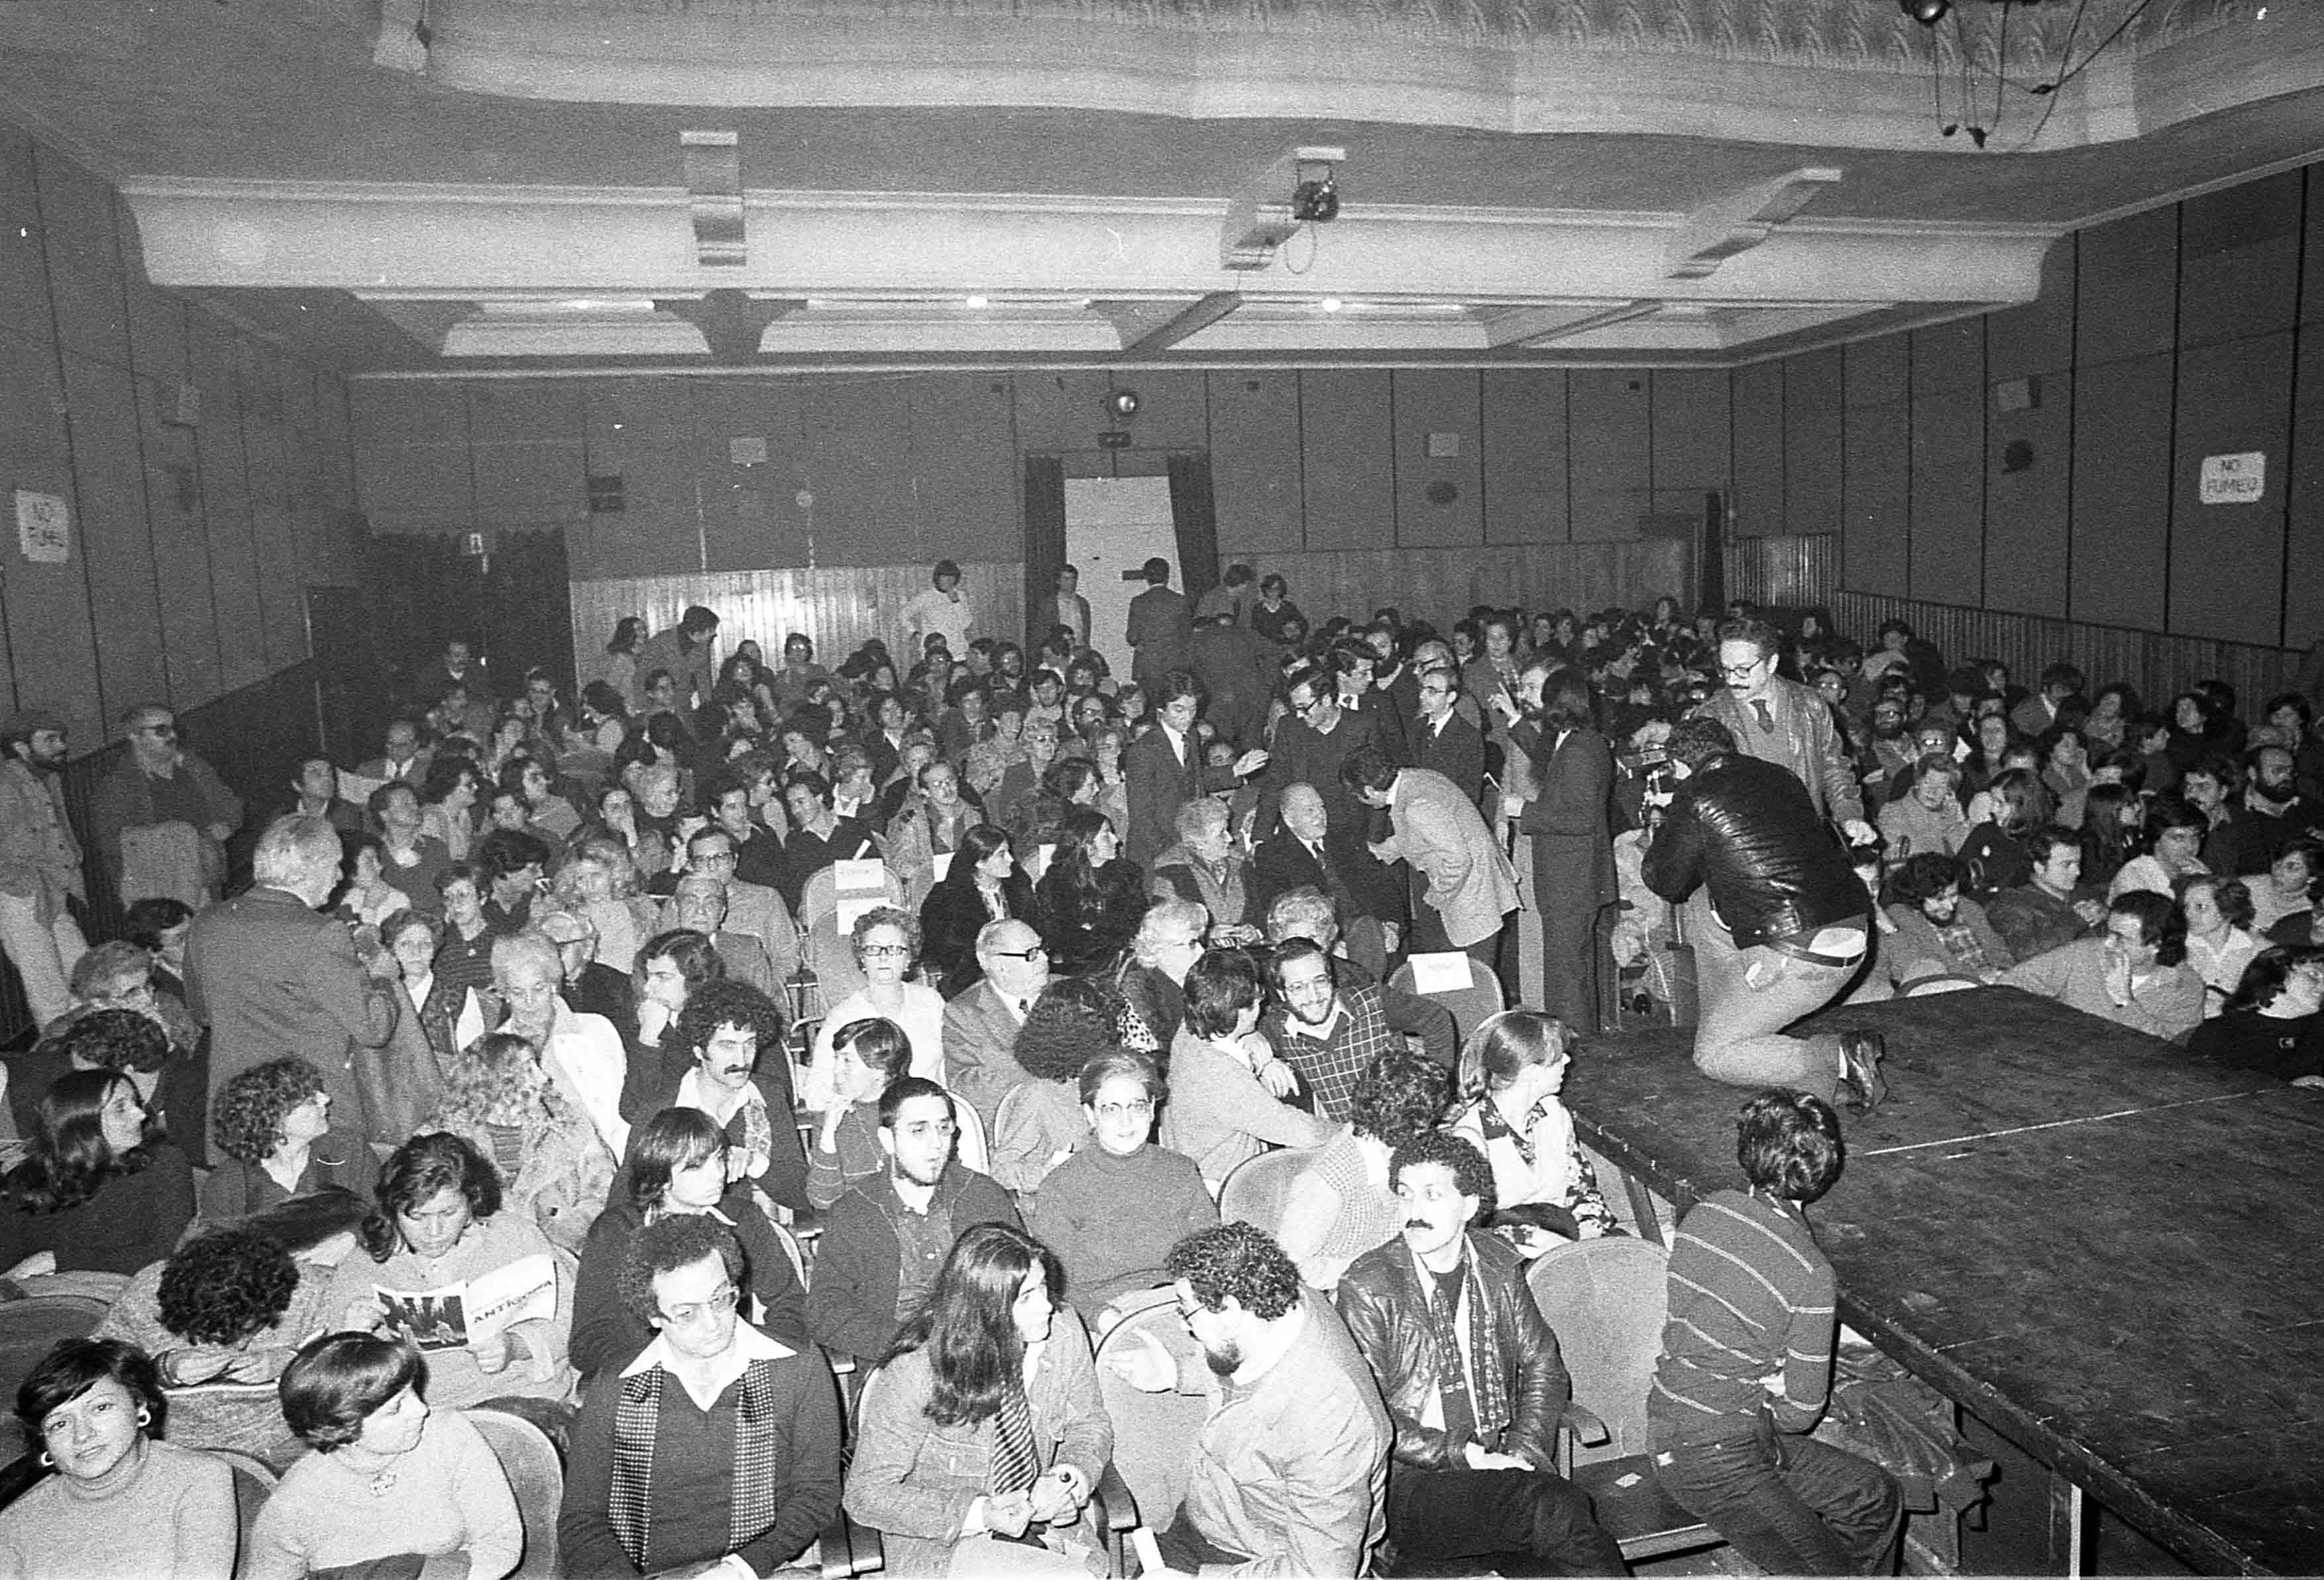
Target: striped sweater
{"points": [[1750, 1296]]}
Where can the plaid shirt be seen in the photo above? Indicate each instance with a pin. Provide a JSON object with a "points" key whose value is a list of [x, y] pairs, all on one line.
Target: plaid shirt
{"points": [[1359, 1034], [1963, 943]]}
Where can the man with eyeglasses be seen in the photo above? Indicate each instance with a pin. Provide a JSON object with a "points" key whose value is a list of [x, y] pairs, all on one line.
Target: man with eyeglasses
{"points": [[1310, 744], [699, 905], [716, 1453], [164, 816], [980, 1025], [887, 1240], [754, 908], [1784, 723], [39, 862]]}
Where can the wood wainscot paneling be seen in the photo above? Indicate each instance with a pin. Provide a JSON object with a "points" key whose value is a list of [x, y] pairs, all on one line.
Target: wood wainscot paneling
{"points": [[1440, 585]]}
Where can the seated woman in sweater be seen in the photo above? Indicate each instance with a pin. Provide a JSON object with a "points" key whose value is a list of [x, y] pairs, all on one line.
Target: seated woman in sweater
{"points": [[1205, 867], [224, 1315], [1927, 815], [984, 1425], [97, 1191], [677, 1168], [866, 1054], [122, 1501], [273, 1123], [1227, 1087], [553, 1168], [390, 1477], [439, 1224], [1512, 1069], [2273, 1022], [1112, 1210]]}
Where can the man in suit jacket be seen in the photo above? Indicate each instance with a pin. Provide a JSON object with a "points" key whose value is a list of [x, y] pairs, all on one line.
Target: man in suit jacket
{"points": [[1297, 856], [1161, 626], [1470, 885], [700, 904], [980, 1025], [1163, 769], [1782, 722], [1236, 670], [273, 979], [404, 759], [1443, 740]]}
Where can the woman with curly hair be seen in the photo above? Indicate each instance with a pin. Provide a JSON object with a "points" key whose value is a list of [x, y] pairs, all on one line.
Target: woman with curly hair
{"points": [[2220, 941], [887, 944], [983, 1425], [1994, 856], [1041, 1123], [98, 1190], [223, 1315], [1340, 1205], [552, 1166], [1091, 898], [123, 1501], [393, 1478], [438, 1222], [677, 1165], [447, 803], [273, 1123]]}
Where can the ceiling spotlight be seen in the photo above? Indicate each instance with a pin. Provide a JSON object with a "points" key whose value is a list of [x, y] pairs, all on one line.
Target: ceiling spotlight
{"points": [[1927, 13], [1119, 404], [1330, 304], [1316, 201], [980, 301]]}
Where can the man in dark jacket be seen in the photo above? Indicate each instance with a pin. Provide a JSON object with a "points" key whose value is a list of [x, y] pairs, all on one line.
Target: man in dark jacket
{"points": [[1472, 1378], [1161, 631], [1778, 919], [887, 1239]]}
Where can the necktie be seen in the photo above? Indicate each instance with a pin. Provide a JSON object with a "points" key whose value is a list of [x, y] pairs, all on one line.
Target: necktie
{"points": [[1766, 719], [1452, 1379], [1015, 1464]]}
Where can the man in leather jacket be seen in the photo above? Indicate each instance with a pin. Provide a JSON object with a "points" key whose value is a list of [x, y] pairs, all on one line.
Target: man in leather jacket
{"points": [[1472, 1379], [1778, 921]]}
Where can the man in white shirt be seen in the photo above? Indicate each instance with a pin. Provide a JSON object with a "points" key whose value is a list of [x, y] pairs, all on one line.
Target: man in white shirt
{"points": [[942, 610]]}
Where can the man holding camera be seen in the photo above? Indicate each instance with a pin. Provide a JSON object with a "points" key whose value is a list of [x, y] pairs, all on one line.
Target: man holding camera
{"points": [[1777, 918]]}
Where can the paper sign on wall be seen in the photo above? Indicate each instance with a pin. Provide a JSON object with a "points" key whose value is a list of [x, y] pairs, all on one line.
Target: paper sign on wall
{"points": [[43, 528], [2232, 480]]}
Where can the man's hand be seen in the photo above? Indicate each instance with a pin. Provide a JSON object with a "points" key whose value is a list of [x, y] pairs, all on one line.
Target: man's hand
{"points": [[2309, 1080], [2117, 977], [1382, 851], [1860, 832], [1480, 1457], [1392, 935], [492, 1354], [1250, 762], [1009, 1513], [2090, 912], [1054, 1503], [220, 831], [1145, 1365], [1278, 1078]]}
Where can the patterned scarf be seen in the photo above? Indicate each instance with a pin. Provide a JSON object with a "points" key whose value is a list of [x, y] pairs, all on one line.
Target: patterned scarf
{"points": [[1016, 1462], [1486, 1416], [758, 1448]]}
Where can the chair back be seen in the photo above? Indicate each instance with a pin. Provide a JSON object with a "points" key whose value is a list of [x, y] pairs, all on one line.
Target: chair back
{"points": [[1255, 1192], [1153, 1433], [1606, 1299], [254, 1484], [536, 1475], [33, 1327], [1471, 1006], [969, 1145]]}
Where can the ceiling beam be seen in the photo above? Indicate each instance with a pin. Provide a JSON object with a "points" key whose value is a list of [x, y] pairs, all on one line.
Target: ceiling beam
{"points": [[1536, 326], [1739, 221], [1189, 320]]}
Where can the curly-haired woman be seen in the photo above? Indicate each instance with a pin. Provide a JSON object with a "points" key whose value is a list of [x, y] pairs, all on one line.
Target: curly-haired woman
{"points": [[97, 1191], [553, 1168], [1341, 1206], [273, 1123], [437, 1224], [1041, 1123]]}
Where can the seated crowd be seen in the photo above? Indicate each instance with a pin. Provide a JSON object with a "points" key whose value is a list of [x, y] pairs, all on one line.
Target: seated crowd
{"points": [[631, 1066]]}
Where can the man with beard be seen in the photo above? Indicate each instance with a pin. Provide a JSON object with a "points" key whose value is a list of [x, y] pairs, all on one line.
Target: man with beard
{"points": [[730, 1035], [40, 863], [1473, 1377], [2272, 802], [887, 1240], [1290, 1468], [176, 807], [1330, 1035], [1887, 759]]}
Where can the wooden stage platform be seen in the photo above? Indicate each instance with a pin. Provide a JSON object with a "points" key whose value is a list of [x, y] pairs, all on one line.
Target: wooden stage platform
{"points": [[2102, 1248]]}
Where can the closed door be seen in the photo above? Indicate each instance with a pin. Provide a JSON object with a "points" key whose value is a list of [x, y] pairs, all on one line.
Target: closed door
{"points": [[1113, 526]]}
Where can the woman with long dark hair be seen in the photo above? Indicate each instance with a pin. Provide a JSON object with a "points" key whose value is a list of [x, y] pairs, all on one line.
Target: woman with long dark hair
{"points": [[620, 667], [1091, 898], [983, 1425], [984, 885], [98, 1190]]}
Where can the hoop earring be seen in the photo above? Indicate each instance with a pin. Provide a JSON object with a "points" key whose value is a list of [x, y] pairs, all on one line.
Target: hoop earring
{"points": [[144, 1417], [46, 1462]]}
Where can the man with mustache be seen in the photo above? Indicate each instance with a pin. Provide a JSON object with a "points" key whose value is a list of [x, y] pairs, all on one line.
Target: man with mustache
{"points": [[731, 1034], [1473, 1379]]}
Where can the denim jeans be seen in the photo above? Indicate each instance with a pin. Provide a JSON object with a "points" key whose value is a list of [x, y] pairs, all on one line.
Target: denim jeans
{"points": [[1738, 1036], [1790, 1504]]}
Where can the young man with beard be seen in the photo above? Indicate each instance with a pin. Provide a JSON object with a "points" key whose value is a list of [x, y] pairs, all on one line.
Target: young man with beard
{"points": [[1885, 761], [1330, 1035], [39, 862], [1472, 1376], [1290, 1469], [887, 1240]]}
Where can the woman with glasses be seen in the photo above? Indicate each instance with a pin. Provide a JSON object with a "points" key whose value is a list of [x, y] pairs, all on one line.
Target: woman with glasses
{"points": [[887, 943], [1112, 1210]]}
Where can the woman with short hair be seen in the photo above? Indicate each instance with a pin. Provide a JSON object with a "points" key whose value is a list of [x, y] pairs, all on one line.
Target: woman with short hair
{"points": [[1205, 867], [273, 1123], [1227, 1087], [122, 1501], [887, 945], [1512, 1069], [98, 1190], [2273, 1022], [2219, 938], [984, 1427], [867, 1056], [391, 1476], [437, 1225]]}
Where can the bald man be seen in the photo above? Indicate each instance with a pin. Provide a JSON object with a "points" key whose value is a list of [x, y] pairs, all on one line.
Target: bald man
{"points": [[980, 1025]]}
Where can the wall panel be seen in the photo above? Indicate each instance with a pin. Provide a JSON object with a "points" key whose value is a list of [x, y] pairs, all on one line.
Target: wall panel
{"points": [[109, 489], [1756, 507], [24, 247], [1526, 457], [734, 517], [1948, 444], [2122, 492], [84, 260], [2303, 588], [225, 507], [1877, 373], [871, 518], [1691, 431], [526, 443], [275, 537], [1812, 443], [2239, 260], [2037, 337], [1609, 466], [1255, 458], [2227, 560], [1876, 503], [964, 475], [50, 637], [1347, 442], [2027, 527], [181, 558], [1438, 500], [2129, 288]]}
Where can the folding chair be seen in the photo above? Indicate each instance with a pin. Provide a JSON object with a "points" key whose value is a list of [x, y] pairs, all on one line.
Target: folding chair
{"points": [[1255, 1192], [1470, 1007]]}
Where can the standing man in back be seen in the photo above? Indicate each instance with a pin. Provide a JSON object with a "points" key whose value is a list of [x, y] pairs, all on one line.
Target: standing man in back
{"points": [[944, 610], [164, 816], [40, 863], [1161, 626], [684, 650]]}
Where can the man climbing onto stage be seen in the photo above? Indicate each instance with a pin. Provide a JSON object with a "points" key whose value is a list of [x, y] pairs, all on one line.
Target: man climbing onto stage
{"points": [[1778, 919]]}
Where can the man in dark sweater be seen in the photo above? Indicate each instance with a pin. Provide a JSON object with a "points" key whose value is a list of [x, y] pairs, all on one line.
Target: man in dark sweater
{"points": [[820, 838], [2047, 911], [718, 1443], [887, 1239]]}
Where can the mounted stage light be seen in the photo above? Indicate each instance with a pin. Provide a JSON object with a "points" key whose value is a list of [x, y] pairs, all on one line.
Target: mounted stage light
{"points": [[1119, 404], [1927, 13]]}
